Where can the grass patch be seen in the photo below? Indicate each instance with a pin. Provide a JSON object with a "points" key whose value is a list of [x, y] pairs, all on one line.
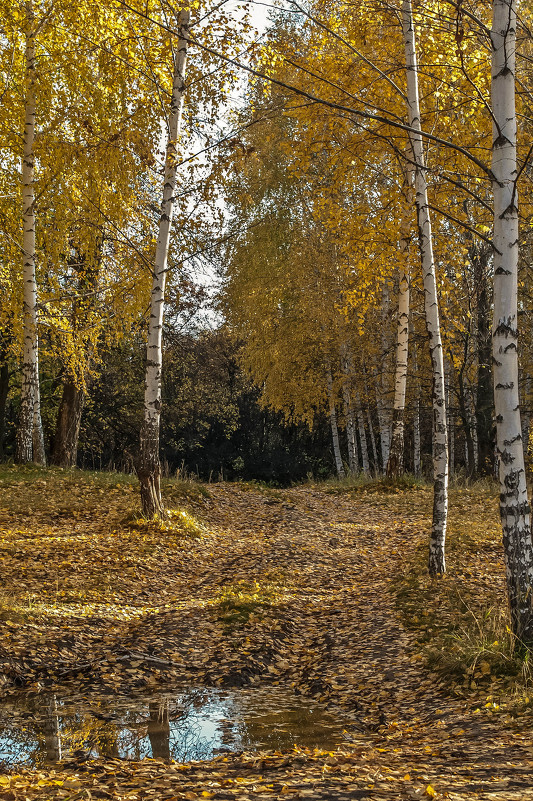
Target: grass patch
{"points": [[405, 483], [238, 602], [461, 620], [268, 490], [178, 521]]}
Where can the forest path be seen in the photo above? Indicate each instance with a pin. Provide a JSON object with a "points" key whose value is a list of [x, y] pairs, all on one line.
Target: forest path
{"points": [[292, 587], [345, 554]]}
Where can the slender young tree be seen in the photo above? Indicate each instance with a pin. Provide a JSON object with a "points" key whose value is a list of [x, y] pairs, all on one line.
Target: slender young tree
{"points": [[436, 561], [148, 465], [334, 428], [514, 504], [396, 453], [30, 441], [351, 440]]}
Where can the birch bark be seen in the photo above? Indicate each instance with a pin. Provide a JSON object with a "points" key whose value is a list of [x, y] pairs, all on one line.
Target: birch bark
{"points": [[382, 390], [30, 440], [514, 504], [362, 437], [334, 427], [396, 453], [353, 460], [436, 561], [417, 456], [148, 465]]}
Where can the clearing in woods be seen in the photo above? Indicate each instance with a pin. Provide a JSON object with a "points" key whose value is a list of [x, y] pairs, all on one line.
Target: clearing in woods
{"points": [[318, 590]]}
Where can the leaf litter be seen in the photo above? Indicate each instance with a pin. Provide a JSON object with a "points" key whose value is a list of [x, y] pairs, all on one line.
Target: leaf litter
{"points": [[294, 591]]}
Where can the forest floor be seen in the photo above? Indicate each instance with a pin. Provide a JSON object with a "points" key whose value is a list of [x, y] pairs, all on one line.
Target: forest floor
{"points": [[320, 589]]}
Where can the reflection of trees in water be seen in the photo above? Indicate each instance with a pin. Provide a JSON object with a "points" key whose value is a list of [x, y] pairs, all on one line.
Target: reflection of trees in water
{"points": [[159, 729], [191, 726], [164, 728], [50, 728]]}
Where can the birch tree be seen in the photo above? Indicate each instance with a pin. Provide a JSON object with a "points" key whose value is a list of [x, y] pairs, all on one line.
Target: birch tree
{"points": [[30, 441], [394, 466], [436, 561], [514, 504], [148, 465], [334, 428]]}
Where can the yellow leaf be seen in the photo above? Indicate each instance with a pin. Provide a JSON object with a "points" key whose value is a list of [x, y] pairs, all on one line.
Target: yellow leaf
{"points": [[4, 781], [207, 794], [430, 791]]}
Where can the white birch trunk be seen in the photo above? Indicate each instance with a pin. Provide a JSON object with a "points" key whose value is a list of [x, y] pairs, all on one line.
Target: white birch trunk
{"points": [[451, 431], [473, 404], [353, 459], [395, 462], [362, 438], [417, 457], [30, 441], [514, 504], [436, 561], [334, 428], [148, 467], [417, 460], [384, 422], [384, 417]]}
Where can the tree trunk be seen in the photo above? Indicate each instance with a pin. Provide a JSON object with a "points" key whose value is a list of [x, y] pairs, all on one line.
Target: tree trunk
{"points": [[436, 561], [382, 406], [30, 441], [372, 440], [395, 462], [417, 457], [353, 459], [484, 395], [65, 446], [450, 421], [334, 428], [514, 504], [4, 391], [362, 438], [148, 465]]}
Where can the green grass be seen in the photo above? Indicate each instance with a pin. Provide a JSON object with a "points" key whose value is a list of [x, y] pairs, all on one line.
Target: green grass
{"points": [[236, 603], [461, 620], [381, 484]]}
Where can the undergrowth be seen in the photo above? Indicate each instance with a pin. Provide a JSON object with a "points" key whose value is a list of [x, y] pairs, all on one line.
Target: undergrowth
{"points": [[461, 620], [361, 482]]}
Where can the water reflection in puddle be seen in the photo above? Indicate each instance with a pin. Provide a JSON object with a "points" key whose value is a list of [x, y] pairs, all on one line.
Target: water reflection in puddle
{"points": [[196, 724]]}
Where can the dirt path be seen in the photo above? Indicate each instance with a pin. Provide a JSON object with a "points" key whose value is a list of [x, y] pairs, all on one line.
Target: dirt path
{"points": [[324, 620]]}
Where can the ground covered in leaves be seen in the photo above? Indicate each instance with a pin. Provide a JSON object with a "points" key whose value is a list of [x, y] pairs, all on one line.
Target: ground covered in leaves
{"points": [[316, 590]]}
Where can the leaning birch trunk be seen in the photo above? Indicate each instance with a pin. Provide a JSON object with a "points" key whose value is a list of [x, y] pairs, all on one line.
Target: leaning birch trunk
{"points": [[334, 428], [148, 465], [436, 561], [396, 453], [30, 441], [514, 504]]}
